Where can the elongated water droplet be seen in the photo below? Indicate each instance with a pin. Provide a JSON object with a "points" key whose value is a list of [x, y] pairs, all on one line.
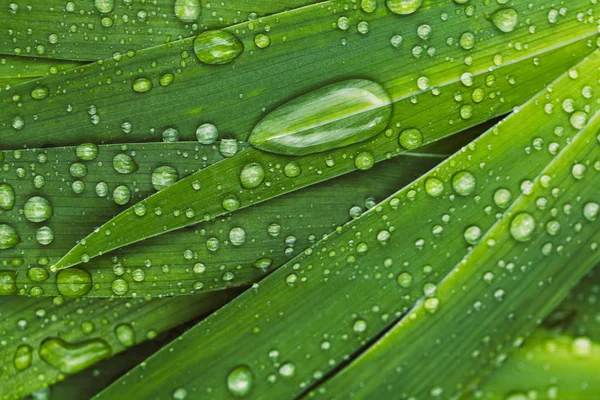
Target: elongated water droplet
{"points": [[239, 381], [217, 47], [334, 116], [8, 282], [73, 282], [87, 151], [506, 19], [71, 358], [142, 85], [403, 7], [7, 197], [187, 10], [125, 334], [23, 356], [37, 209]]}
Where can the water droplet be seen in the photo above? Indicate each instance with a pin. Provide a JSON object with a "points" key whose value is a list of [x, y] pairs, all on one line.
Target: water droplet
{"points": [[37, 209], [124, 164], [359, 326], [44, 236], [403, 7], [104, 6], [467, 40], [292, 170], [40, 93], [502, 197], [590, 211], [522, 227], [142, 85], [73, 282], [163, 177], [578, 119], [287, 370], [78, 170], [71, 358], [187, 10], [333, 116], [7, 197], [582, 347], [207, 134], [228, 147], [180, 394], [404, 279], [252, 175], [121, 195], [463, 183], [230, 203], [170, 135], [364, 161], [217, 47], [8, 281], [120, 287], [262, 41], [472, 234], [23, 357], [125, 334], [434, 187], [411, 139], [237, 236], [240, 380], [506, 19]]}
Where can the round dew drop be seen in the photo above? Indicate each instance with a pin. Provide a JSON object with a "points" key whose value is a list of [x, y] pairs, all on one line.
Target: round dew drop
{"points": [[207, 134], [125, 334], [364, 161], [506, 19], [463, 183], [522, 227], [9, 238], [104, 6], [403, 7], [239, 381], [37, 209], [124, 164], [217, 47], [262, 41], [73, 282], [252, 175], [44, 236], [434, 187], [87, 151], [411, 139], [187, 10], [578, 119]]}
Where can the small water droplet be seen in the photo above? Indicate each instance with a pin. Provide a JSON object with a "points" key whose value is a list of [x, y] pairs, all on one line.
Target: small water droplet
{"points": [[506, 19], [522, 227], [240, 380]]}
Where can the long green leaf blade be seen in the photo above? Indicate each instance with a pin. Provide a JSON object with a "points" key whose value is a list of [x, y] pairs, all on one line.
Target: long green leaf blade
{"points": [[95, 30]]}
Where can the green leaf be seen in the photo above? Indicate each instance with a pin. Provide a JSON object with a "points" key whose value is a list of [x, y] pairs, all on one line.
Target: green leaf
{"points": [[446, 230], [12, 67], [94, 30], [187, 93], [223, 192], [186, 261], [549, 366], [119, 324]]}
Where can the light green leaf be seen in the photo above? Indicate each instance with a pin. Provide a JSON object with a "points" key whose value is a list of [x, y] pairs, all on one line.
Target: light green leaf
{"points": [[313, 314], [97, 29]]}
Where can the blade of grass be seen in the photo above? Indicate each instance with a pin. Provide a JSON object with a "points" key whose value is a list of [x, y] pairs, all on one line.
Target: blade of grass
{"points": [[222, 191], [261, 79], [27, 322], [20, 67], [548, 367], [311, 315], [82, 31]]}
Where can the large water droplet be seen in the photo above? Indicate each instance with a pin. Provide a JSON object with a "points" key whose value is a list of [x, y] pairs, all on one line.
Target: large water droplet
{"points": [[23, 356], [463, 183], [125, 334], [164, 176], [403, 7], [87, 151], [7, 197], [252, 175], [71, 358], [73, 282], [333, 116], [522, 227], [124, 164], [239, 381], [187, 10], [506, 19], [217, 47], [37, 209]]}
